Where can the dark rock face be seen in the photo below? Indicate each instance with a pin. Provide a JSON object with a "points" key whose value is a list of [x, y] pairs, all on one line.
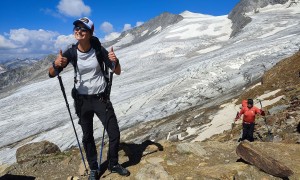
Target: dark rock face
{"points": [[32, 151], [147, 30], [238, 17], [254, 156]]}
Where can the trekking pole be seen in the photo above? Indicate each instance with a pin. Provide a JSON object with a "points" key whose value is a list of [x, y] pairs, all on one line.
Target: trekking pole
{"points": [[265, 120], [106, 120], [233, 124], [67, 104]]}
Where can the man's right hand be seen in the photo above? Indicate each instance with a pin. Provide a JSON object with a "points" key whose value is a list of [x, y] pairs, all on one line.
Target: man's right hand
{"points": [[60, 61]]}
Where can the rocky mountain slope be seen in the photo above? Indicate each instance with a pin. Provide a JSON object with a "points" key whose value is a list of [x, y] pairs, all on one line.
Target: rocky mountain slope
{"points": [[145, 31], [167, 149], [238, 14], [25, 73]]}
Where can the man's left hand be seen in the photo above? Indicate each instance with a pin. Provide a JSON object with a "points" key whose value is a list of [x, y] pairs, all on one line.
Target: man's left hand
{"points": [[111, 55]]}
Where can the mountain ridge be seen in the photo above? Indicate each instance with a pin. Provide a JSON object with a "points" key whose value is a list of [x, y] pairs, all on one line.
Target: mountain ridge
{"points": [[238, 14], [145, 31]]}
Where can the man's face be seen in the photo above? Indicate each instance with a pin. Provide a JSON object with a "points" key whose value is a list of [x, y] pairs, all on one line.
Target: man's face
{"points": [[250, 105], [81, 32]]}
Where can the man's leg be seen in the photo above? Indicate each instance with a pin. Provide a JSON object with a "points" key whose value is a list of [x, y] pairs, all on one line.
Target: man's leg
{"points": [[110, 123], [106, 114], [244, 135], [250, 132], [86, 122]]}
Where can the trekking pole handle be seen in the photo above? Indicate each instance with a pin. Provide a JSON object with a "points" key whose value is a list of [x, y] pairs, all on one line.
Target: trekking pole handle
{"points": [[55, 69], [111, 74], [260, 104], [236, 116]]}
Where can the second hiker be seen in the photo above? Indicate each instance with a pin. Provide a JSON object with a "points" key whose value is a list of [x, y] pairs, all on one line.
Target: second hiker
{"points": [[249, 113]]}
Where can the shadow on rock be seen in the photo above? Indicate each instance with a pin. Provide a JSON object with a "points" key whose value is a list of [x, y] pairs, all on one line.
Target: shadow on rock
{"points": [[135, 152], [16, 177]]}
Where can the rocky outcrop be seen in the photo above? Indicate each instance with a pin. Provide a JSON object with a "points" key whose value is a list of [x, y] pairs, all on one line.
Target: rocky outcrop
{"points": [[170, 160], [35, 150], [238, 17], [254, 156], [147, 30]]}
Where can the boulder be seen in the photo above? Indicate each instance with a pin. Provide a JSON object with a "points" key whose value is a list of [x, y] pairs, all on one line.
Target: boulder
{"points": [[34, 150], [251, 154]]}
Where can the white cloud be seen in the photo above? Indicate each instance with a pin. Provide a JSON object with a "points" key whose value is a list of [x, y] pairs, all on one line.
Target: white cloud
{"points": [[23, 41], [73, 8], [31, 38], [111, 36], [127, 27], [139, 23], [53, 13], [6, 44], [107, 27], [63, 41]]}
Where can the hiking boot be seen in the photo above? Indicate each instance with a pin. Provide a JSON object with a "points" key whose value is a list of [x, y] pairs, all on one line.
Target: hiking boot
{"points": [[119, 169], [93, 175]]}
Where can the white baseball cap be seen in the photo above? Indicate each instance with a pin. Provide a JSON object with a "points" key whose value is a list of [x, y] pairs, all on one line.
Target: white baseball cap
{"points": [[86, 22]]}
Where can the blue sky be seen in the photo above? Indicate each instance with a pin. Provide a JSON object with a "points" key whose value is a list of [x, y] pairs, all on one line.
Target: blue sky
{"points": [[36, 27]]}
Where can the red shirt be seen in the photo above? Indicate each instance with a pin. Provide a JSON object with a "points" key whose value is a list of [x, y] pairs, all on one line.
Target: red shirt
{"points": [[244, 103], [249, 113]]}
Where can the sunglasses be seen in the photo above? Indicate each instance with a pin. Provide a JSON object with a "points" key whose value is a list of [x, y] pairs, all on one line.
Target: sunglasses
{"points": [[83, 29]]}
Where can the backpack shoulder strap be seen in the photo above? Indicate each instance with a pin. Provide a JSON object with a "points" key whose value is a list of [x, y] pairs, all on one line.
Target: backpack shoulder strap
{"points": [[73, 56], [96, 44]]}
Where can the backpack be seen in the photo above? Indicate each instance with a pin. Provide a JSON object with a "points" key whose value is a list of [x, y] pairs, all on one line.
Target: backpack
{"points": [[96, 44], [99, 50]]}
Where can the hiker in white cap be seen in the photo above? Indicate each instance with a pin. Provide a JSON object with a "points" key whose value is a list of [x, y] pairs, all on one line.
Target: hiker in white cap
{"points": [[89, 59]]}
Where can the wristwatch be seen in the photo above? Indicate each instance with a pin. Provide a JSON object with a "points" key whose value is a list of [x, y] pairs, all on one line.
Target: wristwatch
{"points": [[117, 63], [53, 65]]}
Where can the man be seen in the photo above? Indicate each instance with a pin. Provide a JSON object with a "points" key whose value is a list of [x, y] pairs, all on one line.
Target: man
{"points": [[90, 85], [249, 113]]}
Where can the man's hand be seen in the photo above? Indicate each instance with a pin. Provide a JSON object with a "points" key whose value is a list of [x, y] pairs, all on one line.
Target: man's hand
{"points": [[60, 61], [112, 56], [237, 117]]}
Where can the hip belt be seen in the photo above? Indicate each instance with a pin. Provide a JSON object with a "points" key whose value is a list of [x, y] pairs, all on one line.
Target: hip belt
{"points": [[100, 95]]}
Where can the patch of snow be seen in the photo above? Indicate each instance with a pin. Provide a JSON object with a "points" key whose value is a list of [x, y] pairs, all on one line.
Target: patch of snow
{"points": [[144, 32], [209, 49], [272, 93], [126, 40], [219, 123]]}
